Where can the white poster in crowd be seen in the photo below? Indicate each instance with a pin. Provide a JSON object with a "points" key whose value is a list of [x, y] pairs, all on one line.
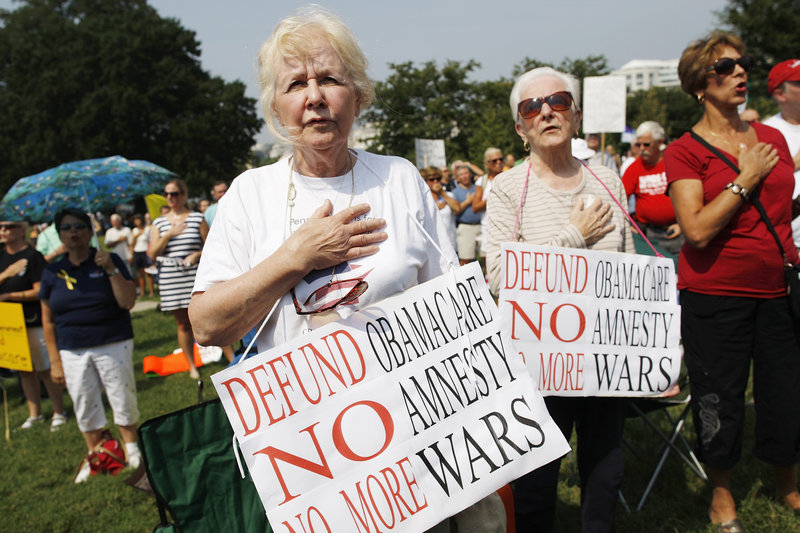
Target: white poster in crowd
{"points": [[392, 419], [592, 323], [430, 153], [604, 99]]}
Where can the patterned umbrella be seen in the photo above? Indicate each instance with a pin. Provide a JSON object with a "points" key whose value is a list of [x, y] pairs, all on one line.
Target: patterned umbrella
{"points": [[92, 185]]}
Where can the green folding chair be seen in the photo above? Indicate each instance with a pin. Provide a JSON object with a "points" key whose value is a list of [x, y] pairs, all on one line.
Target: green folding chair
{"points": [[192, 470]]}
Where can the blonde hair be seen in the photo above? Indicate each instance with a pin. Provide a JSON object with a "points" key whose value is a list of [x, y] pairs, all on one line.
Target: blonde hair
{"points": [[431, 172], [292, 38], [701, 54]]}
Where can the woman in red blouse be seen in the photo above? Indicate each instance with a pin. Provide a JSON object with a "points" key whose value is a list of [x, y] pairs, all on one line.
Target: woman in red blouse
{"points": [[733, 293]]}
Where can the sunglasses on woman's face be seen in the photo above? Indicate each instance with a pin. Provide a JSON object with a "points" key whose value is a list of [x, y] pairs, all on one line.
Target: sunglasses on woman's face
{"points": [[76, 226], [530, 107], [725, 65], [172, 193]]}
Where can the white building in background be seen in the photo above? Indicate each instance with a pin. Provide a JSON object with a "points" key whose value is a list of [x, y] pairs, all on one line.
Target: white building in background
{"points": [[641, 74]]}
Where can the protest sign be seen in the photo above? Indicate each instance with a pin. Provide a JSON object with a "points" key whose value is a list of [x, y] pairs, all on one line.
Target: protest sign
{"points": [[430, 153], [14, 353], [592, 323], [392, 419], [604, 99]]}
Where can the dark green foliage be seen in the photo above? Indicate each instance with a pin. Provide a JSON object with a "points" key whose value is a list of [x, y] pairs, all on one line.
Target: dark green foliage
{"points": [[83, 79], [433, 102], [675, 110], [423, 102]]}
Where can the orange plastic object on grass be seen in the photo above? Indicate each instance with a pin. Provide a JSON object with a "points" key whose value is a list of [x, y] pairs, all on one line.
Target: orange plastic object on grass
{"points": [[170, 364]]}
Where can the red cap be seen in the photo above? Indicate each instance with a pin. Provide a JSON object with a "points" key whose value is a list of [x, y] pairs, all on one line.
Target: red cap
{"points": [[788, 70]]}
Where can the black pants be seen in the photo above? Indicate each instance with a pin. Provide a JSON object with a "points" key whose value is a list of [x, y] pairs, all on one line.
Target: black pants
{"points": [[599, 423], [722, 335]]}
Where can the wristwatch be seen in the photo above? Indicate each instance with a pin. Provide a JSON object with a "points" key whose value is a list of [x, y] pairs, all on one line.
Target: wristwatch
{"points": [[737, 189], [113, 272]]}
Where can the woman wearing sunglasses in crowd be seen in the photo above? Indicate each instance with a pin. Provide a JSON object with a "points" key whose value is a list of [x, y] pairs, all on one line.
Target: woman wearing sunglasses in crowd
{"points": [[731, 276], [176, 242], [86, 298], [564, 204], [20, 279], [447, 205]]}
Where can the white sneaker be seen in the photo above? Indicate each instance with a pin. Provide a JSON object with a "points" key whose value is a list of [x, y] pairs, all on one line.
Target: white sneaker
{"points": [[134, 460], [32, 421], [84, 473], [59, 419]]}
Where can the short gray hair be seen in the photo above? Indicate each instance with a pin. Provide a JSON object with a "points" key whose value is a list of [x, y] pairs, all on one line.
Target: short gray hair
{"points": [[570, 82], [653, 128], [489, 151], [292, 39]]}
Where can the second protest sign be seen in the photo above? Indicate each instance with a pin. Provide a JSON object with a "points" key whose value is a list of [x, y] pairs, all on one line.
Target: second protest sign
{"points": [[590, 323]]}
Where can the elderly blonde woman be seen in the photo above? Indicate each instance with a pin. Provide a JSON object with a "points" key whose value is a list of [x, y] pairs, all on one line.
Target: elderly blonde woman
{"points": [[734, 310], [553, 199], [328, 229], [291, 231]]}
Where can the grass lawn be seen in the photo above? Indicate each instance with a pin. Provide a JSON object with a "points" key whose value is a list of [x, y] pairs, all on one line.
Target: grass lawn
{"points": [[37, 467]]}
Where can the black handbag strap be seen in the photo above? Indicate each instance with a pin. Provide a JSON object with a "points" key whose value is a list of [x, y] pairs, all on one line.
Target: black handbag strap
{"points": [[753, 198]]}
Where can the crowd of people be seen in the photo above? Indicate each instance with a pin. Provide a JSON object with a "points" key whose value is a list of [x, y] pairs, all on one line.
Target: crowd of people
{"points": [[76, 298], [330, 229]]}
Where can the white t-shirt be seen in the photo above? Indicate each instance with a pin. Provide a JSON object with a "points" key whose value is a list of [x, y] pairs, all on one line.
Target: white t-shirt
{"points": [[791, 132], [252, 222], [487, 188], [122, 249], [142, 242], [449, 220]]}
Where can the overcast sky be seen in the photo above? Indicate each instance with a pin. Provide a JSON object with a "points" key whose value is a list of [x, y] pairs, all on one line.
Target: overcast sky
{"points": [[498, 34]]}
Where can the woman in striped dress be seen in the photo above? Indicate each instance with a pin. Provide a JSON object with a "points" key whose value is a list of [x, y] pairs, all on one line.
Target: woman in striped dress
{"points": [[176, 242]]}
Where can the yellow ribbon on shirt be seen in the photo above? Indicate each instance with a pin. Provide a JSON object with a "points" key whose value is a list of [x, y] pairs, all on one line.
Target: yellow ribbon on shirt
{"points": [[69, 280]]}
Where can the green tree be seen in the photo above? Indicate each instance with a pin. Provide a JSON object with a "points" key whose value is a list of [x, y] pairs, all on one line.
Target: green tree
{"points": [[423, 102], [675, 110], [81, 79], [769, 28], [494, 123], [589, 66], [442, 103], [528, 63], [580, 68]]}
